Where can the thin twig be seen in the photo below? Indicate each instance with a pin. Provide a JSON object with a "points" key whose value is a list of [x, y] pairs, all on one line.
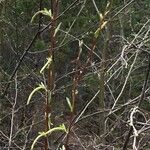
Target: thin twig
{"points": [[139, 104]]}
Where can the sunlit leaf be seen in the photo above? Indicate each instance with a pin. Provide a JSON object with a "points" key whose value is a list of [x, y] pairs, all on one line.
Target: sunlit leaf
{"points": [[103, 24], [63, 148], [49, 60], [56, 30], [101, 16], [108, 4], [106, 12], [97, 32], [80, 47], [41, 86], [69, 104], [43, 134], [44, 12]]}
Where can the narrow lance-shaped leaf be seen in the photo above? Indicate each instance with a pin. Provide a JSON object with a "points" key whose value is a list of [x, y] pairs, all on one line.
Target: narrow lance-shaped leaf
{"points": [[63, 148], [56, 30], [49, 60], [41, 86], [97, 32], [44, 12], [106, 12], [80, 46], [108, 5], [103, 24], [49, 121], [69, 104], [60, 128], [101, 16]]}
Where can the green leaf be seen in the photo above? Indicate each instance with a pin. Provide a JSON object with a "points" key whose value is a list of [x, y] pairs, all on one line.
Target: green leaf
{"points": [[43, 134], [97, 32], [47, 64], [80, 47], [44, 12], [56, 30], [101, 16], [108, 5], [41, 86], [69, 104], [103, 24]]}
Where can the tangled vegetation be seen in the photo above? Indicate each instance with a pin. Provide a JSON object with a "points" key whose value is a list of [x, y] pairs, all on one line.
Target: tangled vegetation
{"points": [[75, 74]]}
